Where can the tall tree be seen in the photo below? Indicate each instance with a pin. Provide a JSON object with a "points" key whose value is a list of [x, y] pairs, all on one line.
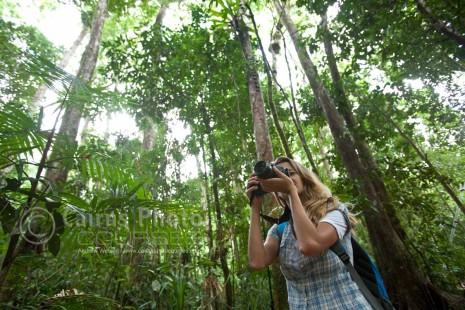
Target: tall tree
{"points": [[293, 109], [271, 75], [262, 137], [271, 72], [222, 252], [409, 288], [150, 125], [345, 109], [68, 131]]}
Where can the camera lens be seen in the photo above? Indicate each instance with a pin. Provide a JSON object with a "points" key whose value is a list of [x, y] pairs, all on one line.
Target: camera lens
{"points": [[263, 170], [260, 167]]}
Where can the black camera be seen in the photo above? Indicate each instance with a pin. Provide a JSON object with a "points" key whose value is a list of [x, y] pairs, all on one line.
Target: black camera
{"points": [[264, 170]]}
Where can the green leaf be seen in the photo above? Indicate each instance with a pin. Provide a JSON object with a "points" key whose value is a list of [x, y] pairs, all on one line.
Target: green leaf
{"points": [[59, 223], [135, 189], [207, 263], [12, 185], [52, 205], [75, 201], [7, 216], [54, 244]]}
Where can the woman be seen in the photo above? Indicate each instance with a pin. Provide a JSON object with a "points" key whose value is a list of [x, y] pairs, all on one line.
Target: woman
{"points": [[316, 278]]}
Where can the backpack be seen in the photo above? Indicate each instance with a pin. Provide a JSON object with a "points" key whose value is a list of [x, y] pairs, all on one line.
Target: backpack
{"points": [[363, 272]]}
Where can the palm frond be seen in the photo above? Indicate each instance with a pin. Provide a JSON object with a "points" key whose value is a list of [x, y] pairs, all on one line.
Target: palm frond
{"points": [[105, 170], [50, 73], [19, 134]]}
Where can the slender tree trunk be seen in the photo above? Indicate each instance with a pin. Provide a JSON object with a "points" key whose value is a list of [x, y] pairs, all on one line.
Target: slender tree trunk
{"points": [[39, 95], [222, 252], [72, 116], [294, 114], [205, 197], [404, 280], [320, 140], [149, 134], [151, 129], [262, 137], [274, 114], [269, 75]]}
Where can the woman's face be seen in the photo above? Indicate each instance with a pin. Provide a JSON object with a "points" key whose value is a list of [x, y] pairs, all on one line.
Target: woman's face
{"points": [[294, 177]]}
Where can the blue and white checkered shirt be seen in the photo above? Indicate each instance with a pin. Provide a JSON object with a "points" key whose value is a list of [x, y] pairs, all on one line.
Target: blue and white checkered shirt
{"points": [[317, 282]]}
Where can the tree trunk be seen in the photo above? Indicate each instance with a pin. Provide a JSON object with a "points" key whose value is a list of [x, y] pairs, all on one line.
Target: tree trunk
{"points": [[149, 134], [151, 129], [404, 279], [320, 140], [439, 25], [274, 113], [222, 252], [205, 196], [262, 137], [272, 76], [269, 74], [39, 95], [345, 108], [295, 117], [72, 116]]}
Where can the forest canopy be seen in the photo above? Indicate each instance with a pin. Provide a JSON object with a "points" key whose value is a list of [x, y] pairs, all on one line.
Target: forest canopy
{"points": [[124, 156]]}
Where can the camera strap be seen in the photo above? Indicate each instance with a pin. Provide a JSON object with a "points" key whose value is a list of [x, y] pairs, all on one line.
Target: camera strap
{"points": [[285, 217]]}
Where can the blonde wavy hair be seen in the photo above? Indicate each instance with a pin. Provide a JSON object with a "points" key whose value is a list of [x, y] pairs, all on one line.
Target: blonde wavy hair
{"points": [[316, 198]]}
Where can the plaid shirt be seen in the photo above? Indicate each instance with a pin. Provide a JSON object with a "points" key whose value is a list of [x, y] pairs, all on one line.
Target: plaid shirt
{"points": [[317, 282]]}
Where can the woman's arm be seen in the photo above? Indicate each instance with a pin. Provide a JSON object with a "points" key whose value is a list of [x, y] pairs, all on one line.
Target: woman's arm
{"points": [[312, 240], [261, 254]]}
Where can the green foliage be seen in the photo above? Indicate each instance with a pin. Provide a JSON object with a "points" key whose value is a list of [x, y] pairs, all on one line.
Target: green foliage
{"points": [[20, 134], [26, 61], [399, 37], [130, 230], [80, 301]]}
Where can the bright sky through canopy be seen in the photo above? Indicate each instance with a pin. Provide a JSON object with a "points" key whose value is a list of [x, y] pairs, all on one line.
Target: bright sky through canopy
{"points": [[62, 26]]}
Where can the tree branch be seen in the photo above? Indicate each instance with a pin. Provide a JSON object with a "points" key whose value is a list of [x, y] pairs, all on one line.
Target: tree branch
{"points": [[439, 25]]}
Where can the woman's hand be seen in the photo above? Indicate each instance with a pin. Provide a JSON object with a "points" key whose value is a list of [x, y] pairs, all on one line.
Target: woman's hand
{"points": [[281, 184], [252, 185]]}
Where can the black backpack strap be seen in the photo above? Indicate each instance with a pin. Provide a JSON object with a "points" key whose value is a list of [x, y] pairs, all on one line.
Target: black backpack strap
{"points": [[340, 251]]}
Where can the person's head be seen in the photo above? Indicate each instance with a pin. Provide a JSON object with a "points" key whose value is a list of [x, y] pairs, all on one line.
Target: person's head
{"points": [[316, 197]]}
